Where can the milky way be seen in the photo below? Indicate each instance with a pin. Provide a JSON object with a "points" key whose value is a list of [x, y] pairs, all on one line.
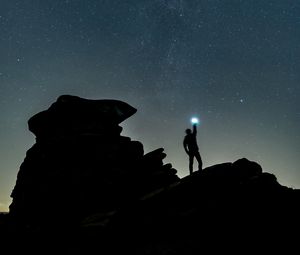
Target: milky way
{"points": [[233, 63]]}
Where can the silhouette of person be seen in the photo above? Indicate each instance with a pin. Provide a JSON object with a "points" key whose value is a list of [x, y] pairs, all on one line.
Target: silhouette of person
{"points": [[191, 148]]}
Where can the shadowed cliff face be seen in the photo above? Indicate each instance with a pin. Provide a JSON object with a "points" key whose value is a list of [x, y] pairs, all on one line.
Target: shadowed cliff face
{"points": [[82, 179], [81, 165]]}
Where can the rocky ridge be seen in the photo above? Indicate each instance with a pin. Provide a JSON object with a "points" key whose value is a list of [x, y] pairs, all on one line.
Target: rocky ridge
{"points": [[111, 198]]}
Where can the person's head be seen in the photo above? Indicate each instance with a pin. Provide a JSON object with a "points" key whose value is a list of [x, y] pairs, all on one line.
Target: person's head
{"points": [[188, 131]]}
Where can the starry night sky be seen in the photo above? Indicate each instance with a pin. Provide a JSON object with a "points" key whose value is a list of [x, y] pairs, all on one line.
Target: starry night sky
{"points": [[233, 63]]}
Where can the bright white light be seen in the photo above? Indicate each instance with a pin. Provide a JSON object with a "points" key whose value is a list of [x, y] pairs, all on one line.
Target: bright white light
{"points": [[194, 120]]}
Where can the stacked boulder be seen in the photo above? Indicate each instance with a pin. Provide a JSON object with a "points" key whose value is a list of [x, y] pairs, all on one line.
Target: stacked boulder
{"points": [[80, 165]]}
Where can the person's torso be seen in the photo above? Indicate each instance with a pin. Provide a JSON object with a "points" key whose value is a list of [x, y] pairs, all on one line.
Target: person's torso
{"points": [[191, 142]]}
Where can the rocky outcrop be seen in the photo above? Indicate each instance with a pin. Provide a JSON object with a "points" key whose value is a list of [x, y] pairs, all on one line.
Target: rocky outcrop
{"points": [[80, 164], [96, 192], [231, 207]]}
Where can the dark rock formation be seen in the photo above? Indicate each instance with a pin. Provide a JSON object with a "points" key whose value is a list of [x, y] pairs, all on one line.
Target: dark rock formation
{"points": [[71, 115], [231, 207], [96, 192], [80, 165]]}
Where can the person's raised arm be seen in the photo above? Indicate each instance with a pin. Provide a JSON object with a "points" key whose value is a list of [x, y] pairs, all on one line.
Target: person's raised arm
{"points": [[195, 129]]}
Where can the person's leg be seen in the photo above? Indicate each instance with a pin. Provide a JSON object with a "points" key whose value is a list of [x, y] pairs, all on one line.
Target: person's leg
{"points": [[191, 157], [198, 157]]}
